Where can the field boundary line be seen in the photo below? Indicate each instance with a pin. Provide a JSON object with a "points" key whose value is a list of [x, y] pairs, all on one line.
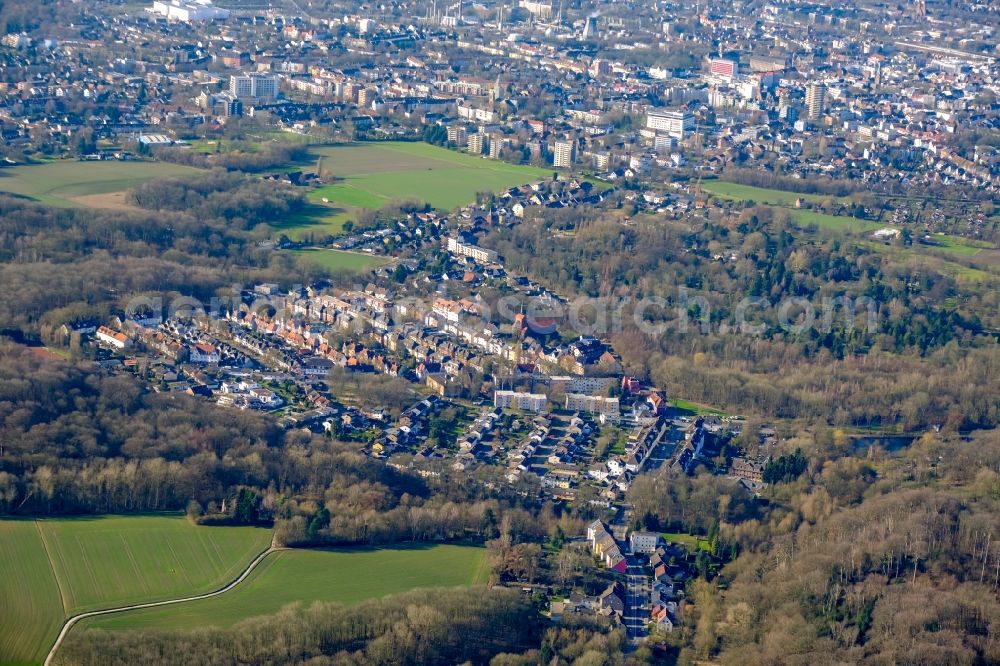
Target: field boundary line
{"points": [[71, 621], [52, 566]]}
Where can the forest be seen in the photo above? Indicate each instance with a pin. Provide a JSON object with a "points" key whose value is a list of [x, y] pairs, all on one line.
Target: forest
{"points": [[65, 265], [498, 627], [919, 350]]}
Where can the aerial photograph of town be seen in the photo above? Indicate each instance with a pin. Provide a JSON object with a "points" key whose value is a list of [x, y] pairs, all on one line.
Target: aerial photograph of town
{"points": [[499, 332]]}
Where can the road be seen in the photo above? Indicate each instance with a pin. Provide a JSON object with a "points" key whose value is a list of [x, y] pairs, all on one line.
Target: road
{"points": [[637, 601], [81, 616]]}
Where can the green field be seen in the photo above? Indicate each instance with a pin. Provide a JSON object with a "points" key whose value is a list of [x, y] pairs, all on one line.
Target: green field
{"points": [[694, 408], [917, 253], [30, 608], [306, 576], [833, 222], [373, 175], [786, 199], [738, 192], [689, 541], [53, 568], [340, 260], [60, 183], [963, 247]]}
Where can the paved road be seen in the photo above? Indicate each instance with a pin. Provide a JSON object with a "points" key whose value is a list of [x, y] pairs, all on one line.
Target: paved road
{"points": [[636, 611], [80, 616]]}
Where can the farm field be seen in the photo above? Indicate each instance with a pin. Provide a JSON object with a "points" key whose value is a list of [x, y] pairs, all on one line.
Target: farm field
{"points": [[340, 260], [305, 576], [74, 183], [30, 608], [372, 175], [53, 568]]}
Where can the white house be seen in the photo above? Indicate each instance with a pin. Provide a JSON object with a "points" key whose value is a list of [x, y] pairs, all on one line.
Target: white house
{"points": [[112, 338], [202, 352], [644, 542]]}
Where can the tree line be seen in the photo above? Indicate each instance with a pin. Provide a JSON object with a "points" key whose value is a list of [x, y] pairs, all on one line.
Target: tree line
{"points": [[269, 156]]}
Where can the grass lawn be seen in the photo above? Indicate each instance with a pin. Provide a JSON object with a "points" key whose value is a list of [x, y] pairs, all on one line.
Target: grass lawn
{"points": [[833, 222], [60, 183], [963, 247], [347, 195], [694, 407], [738, 192], [318, 219], [689, 541], [305, 576], [52, 568], [918, 253], [373, 175], [340, 260]]}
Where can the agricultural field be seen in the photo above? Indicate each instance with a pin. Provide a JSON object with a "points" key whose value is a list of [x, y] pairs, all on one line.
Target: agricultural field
{"points": [[305, 576], [372, 175], [340, 260], [74, 183], [30, 608], [53, 568]]}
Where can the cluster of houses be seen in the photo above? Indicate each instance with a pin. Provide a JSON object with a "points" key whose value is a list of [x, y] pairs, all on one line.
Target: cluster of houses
{"points": [[409, 430], [555, 450], [605, 547]]}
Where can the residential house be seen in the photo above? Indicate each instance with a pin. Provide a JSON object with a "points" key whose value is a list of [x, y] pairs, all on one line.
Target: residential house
{"points": [[114, 339]]}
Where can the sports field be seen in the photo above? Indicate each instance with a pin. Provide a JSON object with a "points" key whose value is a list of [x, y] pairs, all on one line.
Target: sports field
{"points": [[305, 576], [340, 260], [373, 175], [50, 569], [73, 183]]}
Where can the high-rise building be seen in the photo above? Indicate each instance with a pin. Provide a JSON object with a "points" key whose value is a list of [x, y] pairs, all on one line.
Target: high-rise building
{"points": [[565, 154], [457, 135], [496, 144], [815, 99], [674, 123], [253, 86], [365, 97], [475, 143]]}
